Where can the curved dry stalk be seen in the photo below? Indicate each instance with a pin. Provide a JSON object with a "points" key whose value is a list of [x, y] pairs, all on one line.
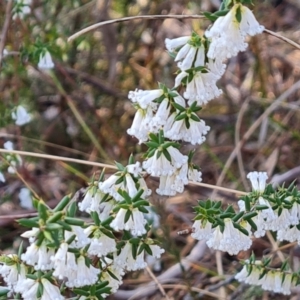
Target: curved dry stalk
{"points": [[149, 17], [107, 166], [283, 38]]}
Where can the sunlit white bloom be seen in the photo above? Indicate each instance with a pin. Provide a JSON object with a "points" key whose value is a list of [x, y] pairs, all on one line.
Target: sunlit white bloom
{"points": [[190, 56], [161, 166], [81, 240], [258, 180], [28, 288], [289, 234], [23, 9], [280, 222], [102, 245], [135, 223], [21, 116], [194, 175], [25, 198], [249, 278], [50, 291], [38, 256], [113, 282], [177, 130], [173, 44], [2, 178], [14, 160], [202, 230], [140, 124], [84, 275], [272, 281], [295, 213], [31, 234], [134, 169], [11, 273], [216, 66], [202, 88], [45, 62], [144, 98], [231, 239], [64, 262], [228, 34], [160, 117], [125, 258]]}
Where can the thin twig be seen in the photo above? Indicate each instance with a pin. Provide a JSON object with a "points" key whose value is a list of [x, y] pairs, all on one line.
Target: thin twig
{"points": [[107, 166], [252, 129], [275, 247], [285, 39], [5, 28], [163, 292], [149, 17], [237, 140], [157, 17]]}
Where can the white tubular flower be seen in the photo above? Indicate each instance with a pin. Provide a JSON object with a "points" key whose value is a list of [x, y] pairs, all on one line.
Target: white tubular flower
{"points": [[280, 222], [113, 283], [102, 246], [160, 117], [252, 278], [178, 131], [194, 175], [231, 240], [189, 56], [144, 98], [135, 223], [65, 265], [174, 44], [228, 34], [202, 230], [202, 88], [134, 169], [295, 213], [272, 281], [21, 116], [81, 239], [50, 292], [216, 67], [289, 234], [267, 213], [12, 274], [28, 288], [45, 62], [15, 160], [258, 180], [2, 178], [161, 166], [25, 198], [39, 257], [83, 275], [140, 124]]}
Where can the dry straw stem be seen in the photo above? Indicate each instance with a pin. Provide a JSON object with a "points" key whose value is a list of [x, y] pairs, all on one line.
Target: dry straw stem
{"points": [[107, 166], [157, 17], [5, 28]]}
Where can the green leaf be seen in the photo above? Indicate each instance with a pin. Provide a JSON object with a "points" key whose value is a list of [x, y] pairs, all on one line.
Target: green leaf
{"points": [[65, 225], [81, 292], [106, 290], [55, 217], [143, 210], [62, 204], [43, 211], [140, 203], [152, 145], [72, 209], [28, 223], [127, 216], [53, 226], [119, 166], [107, 233], [47, 234], [252, 224], [210, 16], [74, 221], [167, 155]]}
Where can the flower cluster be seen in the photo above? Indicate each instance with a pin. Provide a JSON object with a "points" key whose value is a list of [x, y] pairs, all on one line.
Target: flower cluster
{"points": [[269, 280], [63, 248]]}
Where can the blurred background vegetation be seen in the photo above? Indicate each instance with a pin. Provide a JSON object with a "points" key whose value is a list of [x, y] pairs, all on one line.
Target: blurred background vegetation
{"points": [[93, 75]]}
